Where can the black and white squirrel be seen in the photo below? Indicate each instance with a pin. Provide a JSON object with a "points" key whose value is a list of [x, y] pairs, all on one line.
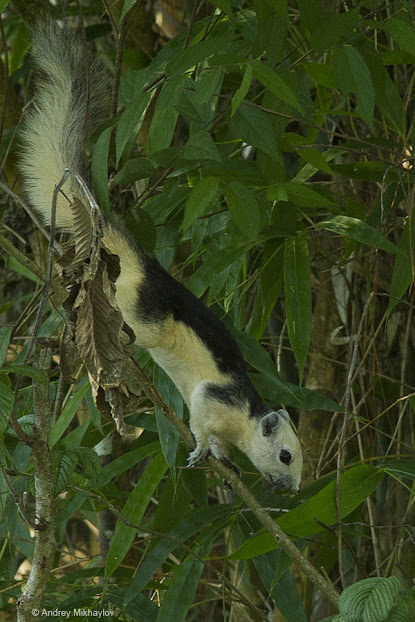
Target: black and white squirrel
{"points": [[183, 336]]}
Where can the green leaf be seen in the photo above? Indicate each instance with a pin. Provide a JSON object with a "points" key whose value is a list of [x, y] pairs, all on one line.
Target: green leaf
{"points": [[356, 485], [322, 73], [255, 127], [223, 5], [300, 195], [140, 608], [273, 569], [125, 462], [6, 403], [401, 613], [271, 33], [270, 282], [244, 209], [201, 280], [68, 413], [66, 468], [314, 157], [128, 4], [141, 227], [334, 27], [194, 54], [162, 129], [240, 93], [181, 591], [402, 32], [99, 168], [402, 467], [353, 76], [25, 370], [130, 121], [16, 266], [168, 435], [367, 171], [194, 522], [163, 123], [275, 390], [403, 269], [370, 600], [133, 511], [275, 84], [134, 169], [209, 83], [297, 288], [202, 197], [358, 230], [5, 334], [200, 146], [183, 586]]}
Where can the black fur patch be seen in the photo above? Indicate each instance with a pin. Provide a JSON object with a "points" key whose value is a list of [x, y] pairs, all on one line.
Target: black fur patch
{"points": [[160, 295], [230, 394]]}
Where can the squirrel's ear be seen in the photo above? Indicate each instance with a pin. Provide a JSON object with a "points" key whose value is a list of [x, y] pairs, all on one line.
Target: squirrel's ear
{"points": [[283, 413], [271, 421]]}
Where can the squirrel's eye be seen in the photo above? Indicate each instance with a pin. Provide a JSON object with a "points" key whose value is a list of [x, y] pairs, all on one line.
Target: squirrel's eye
{"points": [[285, 456]]}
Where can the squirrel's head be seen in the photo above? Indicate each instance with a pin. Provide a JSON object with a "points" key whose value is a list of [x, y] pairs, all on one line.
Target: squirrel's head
{"points": [[276, 451]]}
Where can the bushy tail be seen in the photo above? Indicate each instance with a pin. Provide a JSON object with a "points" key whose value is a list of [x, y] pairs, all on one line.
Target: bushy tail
{"points": [[72, 98]]}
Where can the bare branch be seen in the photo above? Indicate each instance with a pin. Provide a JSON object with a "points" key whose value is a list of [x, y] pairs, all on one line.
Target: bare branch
{"points": [[44, 493]]}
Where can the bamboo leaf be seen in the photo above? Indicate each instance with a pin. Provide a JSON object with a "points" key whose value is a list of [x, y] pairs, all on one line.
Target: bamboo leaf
{"points": [[99, 168], [194, 522], [194, 54], [356, 485], [201, 198], [68, 413], [134, 169], [402, 32], [130, 121], [200, 146], [244, 209], [275, 84], [133, 511], [353, 76], [125, 462], [6, 403], [182, 589], [358, 230], [5, 334], [240, 93]]}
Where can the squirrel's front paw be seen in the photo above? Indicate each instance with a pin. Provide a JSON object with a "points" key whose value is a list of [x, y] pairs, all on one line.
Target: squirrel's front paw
{"points": [[198, 455]]}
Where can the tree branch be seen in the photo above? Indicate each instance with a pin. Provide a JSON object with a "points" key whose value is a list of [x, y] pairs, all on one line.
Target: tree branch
{"points": [[244, 493], [44, 492]]}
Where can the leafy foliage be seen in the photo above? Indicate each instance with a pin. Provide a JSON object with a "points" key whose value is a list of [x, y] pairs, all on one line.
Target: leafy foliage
{"points": [[264, 152]]}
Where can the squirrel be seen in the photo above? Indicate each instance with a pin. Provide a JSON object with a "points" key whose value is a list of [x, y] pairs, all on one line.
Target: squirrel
{"points": [[183, 336]]}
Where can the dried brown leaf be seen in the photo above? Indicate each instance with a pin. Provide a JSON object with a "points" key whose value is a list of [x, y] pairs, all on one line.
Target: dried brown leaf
{"points": [[98, 328]]}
